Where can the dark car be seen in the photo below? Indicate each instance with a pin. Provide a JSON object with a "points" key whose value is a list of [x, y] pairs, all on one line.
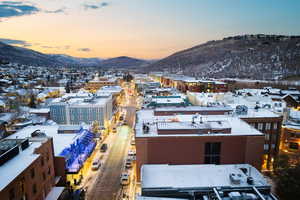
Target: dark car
{"points": [[103, 147]]}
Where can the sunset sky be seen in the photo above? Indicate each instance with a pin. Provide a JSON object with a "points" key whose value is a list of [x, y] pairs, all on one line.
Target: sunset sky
{"points": [[149, 29]]}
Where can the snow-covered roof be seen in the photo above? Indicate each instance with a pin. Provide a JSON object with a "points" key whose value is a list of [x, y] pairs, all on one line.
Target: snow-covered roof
{"points": [[157, 198], [198, 176], [14, 167], [60, 141], [238, 126]]}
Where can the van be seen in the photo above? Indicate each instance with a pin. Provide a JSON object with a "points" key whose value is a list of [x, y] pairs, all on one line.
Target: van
{"points": [[96, 164], [103, 148]]}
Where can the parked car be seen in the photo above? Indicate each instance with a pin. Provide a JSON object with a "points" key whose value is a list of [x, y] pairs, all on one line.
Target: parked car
{"points": [[132, 155], [125, 179], [132, 142], [103, 147], [128, 163], [96, 164]]}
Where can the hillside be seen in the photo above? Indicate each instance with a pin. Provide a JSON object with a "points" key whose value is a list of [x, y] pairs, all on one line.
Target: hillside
{"points": [[30, 57], [248, 56], [122, 62]]}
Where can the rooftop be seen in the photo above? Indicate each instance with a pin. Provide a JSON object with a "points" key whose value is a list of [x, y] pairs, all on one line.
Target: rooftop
{"points": [[204, 125], [18, 163], [60, 141], [207, 182], [199, 176]]}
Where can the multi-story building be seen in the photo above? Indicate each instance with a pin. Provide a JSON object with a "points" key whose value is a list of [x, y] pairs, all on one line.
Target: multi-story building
{"points": [[291, 133], [258, 110], [207, 182], [97, 83], [71, 149], [27, 169], [76, 109], [196, 139]]}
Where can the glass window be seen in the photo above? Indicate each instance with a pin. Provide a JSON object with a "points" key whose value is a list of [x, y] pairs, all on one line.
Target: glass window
{"points": [[212, 153], [293, 145], [275, 126], [32, 172], [34, 188], [268, 126], [260, 126], [267, 136], [266, 147]]}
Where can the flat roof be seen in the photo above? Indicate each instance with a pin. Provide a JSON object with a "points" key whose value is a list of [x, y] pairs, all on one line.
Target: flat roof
{"points": [[198, 176], [238, 126], [14, 167], [157, 198], [194, 108], [60, 141]]}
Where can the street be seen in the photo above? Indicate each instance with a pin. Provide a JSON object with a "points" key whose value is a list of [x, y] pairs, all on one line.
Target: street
{"points": [[106, 184]]}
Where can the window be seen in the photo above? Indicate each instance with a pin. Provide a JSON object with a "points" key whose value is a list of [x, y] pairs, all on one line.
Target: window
{"points": [[267, 136], [49, 170], [42, 161], [268, 126], [34, 189], [12, 194], [212, 153], [260, 126], [273, 146], [266, 147], [275, 126], [293, 145], [44, 176], [32, 172], [47, 155]]}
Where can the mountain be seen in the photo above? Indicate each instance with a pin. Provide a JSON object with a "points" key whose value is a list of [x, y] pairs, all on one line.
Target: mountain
{"points": [[73, 61], [247, 56], [122, 62], [26, 56]]}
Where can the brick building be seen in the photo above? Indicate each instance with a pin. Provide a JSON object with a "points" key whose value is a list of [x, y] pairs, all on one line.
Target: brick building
{"points": [[196, 139], [27, 169]]}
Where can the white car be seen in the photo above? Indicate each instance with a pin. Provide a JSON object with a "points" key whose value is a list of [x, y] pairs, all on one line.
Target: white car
{"points": [[125, 179], [96, 164], [128, 163]]}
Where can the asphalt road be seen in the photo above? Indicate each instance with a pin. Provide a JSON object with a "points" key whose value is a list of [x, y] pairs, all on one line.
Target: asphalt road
{"points": [[107, 183]]}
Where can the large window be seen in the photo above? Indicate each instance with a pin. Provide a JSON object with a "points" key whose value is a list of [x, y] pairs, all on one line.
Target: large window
{"points": [[293, 145], [212, 153]]}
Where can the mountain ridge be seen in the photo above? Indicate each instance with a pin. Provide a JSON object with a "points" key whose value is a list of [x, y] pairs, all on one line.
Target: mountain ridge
{"points": [[27, 56], [246, 56]]}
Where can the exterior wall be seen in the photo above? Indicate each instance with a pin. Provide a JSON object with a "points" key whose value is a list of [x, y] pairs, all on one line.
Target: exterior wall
{"points": [[272, 136], [58, 113], [59, 168], [43, 179], [190, 150], [191, 112], [87, 114]]}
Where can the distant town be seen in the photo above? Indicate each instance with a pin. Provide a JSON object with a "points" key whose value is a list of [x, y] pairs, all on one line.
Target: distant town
{"points": [[87, 133]]}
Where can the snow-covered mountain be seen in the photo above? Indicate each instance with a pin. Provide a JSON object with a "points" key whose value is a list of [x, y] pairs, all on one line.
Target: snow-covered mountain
{"points": [[248, 56]]}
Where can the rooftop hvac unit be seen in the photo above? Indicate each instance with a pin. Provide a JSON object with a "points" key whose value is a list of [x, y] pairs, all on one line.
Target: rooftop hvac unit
{"points": [[241, 110], [235, 196], [235, 178]]}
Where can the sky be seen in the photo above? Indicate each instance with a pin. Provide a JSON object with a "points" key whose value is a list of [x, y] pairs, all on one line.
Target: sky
{"points": [[147, 29]]}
